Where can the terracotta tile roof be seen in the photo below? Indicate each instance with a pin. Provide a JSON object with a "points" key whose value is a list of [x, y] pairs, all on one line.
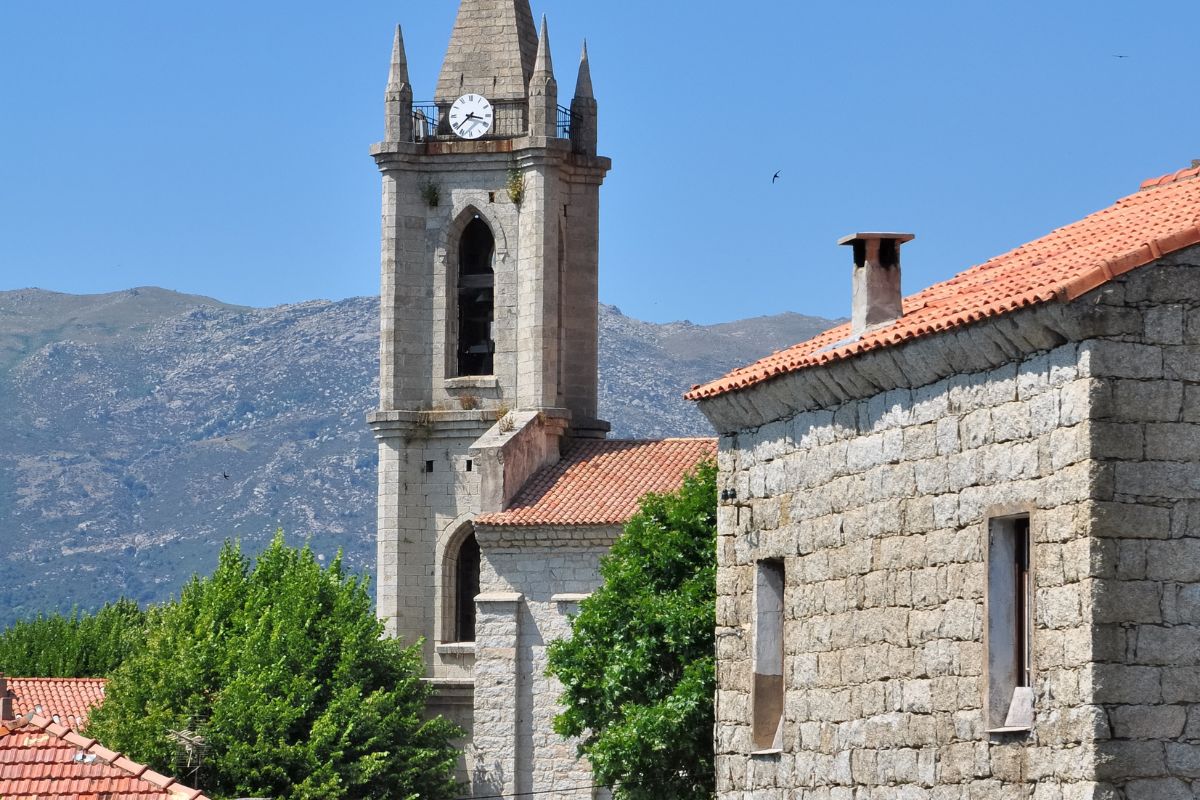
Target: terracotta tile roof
{"points": [[67, 698], [599, 481], [42, 760], [1161, 218]]}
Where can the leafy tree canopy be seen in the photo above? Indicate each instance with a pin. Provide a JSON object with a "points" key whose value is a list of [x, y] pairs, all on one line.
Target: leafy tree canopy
{"points": [[281, 666], [639, 670], [78, 645]]}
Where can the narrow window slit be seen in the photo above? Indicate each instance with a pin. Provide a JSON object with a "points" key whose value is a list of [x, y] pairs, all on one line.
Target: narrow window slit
{"points": [[1009, 625], [768, 688]]}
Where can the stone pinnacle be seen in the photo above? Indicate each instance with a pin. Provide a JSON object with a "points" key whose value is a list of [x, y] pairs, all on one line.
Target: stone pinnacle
{"points": [[399, 72], [543, 65], [583, 83]]}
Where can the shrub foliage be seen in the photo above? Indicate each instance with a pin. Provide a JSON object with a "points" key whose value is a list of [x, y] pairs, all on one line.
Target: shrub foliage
{"points": [[280, 665], [639, 672], [77, 645]]}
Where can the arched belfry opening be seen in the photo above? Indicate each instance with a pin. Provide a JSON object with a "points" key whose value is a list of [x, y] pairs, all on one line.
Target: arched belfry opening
{"points": [[466, 585], [476, 299]]}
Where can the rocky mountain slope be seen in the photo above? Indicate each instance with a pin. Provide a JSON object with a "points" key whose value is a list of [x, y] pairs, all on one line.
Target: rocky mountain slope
{"points": [[140, 429]]}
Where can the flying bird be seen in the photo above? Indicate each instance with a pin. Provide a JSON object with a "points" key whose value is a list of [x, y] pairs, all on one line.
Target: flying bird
{"points": [[775, 177], [1117, 56], [225, 475]]}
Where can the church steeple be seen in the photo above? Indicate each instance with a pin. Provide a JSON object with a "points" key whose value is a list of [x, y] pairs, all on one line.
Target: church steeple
{"points": [[543, 90], [489, 352], [584, 112], [399, 95], [491, 52]]}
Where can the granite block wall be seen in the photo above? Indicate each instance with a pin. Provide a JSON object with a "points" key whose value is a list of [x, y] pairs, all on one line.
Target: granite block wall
{"points": [[1146, 529], [878, 509], [879, 506]]}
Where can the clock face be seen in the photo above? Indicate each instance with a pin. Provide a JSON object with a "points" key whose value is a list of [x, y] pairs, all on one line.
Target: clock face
{"points": [[471, 116]]}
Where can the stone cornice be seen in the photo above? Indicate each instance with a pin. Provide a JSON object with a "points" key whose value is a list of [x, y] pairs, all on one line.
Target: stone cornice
{"points": [[431, 424], [443, 155]]}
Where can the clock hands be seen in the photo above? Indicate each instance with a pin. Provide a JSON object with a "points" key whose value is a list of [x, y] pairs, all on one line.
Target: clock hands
{"points": [[473, 122]]}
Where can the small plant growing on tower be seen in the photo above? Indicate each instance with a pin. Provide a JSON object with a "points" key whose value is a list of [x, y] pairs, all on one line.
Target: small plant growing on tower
{"points": [[468, 402], [431, 194], [515, 186]]}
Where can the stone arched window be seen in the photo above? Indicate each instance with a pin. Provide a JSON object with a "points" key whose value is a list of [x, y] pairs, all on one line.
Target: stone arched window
{"points": [[466, 586], [476, 299]]}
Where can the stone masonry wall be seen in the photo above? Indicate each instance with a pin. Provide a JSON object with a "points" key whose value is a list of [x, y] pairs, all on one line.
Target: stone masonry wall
{"points": [[878, 509], [1146, 439], [549, 579]]}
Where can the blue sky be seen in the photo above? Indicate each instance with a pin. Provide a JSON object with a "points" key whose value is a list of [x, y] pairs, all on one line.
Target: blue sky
{"points": [[220, 148]]}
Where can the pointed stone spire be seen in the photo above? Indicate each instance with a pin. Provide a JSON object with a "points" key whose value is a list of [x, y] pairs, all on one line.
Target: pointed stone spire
{"points": [[543, 90], [584, 111], [544, 64], [583, 83], [398, 99], [491, 52]]}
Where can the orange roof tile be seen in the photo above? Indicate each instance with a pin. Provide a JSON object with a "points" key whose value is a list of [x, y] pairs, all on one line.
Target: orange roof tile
{"points": [[69, 699], [41, 760], [599, 481], [1161, 218]]}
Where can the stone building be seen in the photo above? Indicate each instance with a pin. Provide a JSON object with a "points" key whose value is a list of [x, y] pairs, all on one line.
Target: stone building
{"points": [[960, 535], [498, 489]]}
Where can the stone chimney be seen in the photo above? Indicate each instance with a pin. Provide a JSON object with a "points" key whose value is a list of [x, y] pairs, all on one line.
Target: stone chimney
{"points": [[876, 298], [6, 701]]}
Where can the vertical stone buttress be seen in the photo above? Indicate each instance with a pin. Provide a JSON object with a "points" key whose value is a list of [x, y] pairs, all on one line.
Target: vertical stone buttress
{"points": [[439, 439]]}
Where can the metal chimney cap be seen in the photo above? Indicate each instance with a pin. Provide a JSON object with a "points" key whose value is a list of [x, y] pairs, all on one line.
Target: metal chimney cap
{"points": [[864, 237]]}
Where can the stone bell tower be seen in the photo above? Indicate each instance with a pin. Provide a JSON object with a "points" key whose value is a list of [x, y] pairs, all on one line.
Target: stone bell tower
{"points": [[488, 354]]}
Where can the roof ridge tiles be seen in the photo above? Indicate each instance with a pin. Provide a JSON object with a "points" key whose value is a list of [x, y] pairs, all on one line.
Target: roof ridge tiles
{"points": [[1184, 174]]}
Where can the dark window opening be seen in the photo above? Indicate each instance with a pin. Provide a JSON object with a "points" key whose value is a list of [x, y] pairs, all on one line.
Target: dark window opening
{"points": [[470, 465], [1009, 625], [466, 587], [429, 466], [476, 300]]}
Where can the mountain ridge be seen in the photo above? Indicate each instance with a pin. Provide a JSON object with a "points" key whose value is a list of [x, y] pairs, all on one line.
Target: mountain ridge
{"points": [[144, 427]]}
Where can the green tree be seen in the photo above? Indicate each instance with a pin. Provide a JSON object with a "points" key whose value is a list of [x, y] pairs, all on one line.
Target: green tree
{"points": [[639, 671], [76, 645], [282, 667]]}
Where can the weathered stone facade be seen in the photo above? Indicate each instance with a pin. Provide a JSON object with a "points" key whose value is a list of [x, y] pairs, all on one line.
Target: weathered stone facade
{"points": [[873, 480], [533, 579]]}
